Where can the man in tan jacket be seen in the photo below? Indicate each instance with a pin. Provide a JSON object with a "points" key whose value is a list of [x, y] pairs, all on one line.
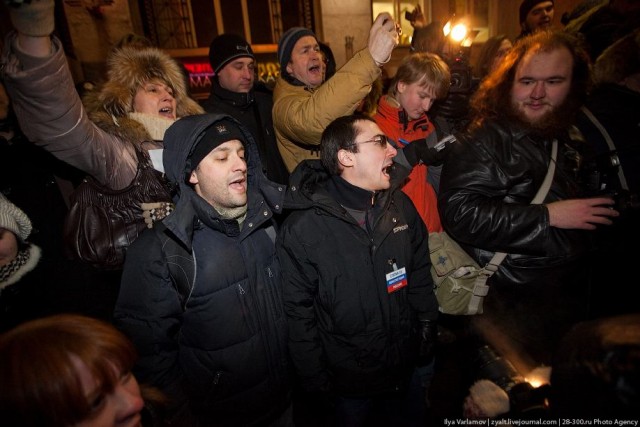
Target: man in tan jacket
{"points": [[304, 105]]}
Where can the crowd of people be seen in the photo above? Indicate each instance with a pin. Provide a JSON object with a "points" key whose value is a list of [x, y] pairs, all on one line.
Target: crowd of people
{"points": [[277, 272]]}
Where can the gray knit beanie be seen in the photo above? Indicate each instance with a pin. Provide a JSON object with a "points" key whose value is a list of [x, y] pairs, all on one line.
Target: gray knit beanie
{"points": [[286, 43], [14, 219]]}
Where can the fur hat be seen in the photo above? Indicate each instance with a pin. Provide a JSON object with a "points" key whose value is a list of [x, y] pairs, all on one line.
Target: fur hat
{"points": [[14, 219], [286, 43], [130, 67], [227, 47], [526, 6]]}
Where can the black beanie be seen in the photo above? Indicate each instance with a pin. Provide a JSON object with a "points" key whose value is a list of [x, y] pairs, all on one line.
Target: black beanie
{"points": [[286, 43], [227, 47], [215, 135], [526, 6]]}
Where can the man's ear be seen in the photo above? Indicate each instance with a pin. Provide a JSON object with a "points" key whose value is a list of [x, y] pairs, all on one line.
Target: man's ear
{"points": [[193, 178], [345, 158], [289, 68]]}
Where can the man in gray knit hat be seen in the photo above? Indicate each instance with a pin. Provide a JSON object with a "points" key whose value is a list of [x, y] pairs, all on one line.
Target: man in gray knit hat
{"points": [[303, 105]]}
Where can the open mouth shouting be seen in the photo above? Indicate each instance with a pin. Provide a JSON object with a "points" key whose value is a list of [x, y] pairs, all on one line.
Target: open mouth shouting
{"points": [[386, 170], [315, 70], [239, 185], [167, 112]]}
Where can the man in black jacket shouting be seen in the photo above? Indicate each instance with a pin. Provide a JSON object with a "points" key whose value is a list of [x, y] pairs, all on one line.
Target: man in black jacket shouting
{"points": [[212, 335], [358, 292]]}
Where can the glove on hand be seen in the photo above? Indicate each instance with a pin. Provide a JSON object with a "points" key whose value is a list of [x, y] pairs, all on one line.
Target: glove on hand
{"points": [[428, 339], [418, 151], [32, 18], [383, 37]]}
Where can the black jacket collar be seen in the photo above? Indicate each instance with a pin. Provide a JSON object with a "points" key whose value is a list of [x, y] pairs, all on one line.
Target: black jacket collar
{"points": [[237, 99]]}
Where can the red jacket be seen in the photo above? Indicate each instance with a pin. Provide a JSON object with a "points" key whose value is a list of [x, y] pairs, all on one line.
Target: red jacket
{"points": [[389, 118]]}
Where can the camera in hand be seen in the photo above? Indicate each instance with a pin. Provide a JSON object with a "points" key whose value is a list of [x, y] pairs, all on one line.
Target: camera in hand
{"points": [[602, 180], [454, 109]]}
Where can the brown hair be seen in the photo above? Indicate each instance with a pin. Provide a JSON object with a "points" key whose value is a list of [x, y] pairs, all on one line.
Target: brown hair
{"points": [[40, 386], [426, 69], [487, 54], [493, 97]]}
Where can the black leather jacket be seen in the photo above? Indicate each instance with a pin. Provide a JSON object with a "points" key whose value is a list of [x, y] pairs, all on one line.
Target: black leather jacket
{"points": [[487, 184]]}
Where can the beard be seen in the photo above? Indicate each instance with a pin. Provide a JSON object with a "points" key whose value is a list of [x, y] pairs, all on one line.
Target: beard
{"points": [[551, 124]]}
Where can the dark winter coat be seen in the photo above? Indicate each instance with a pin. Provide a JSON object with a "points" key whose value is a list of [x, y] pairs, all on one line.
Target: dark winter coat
{"points": [[347, 333], [252, 109], [542, 287], [227, 350], [616, 107]]}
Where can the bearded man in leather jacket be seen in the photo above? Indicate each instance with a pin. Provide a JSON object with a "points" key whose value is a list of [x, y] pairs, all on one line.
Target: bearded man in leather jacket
{"points": [[492, 175]]}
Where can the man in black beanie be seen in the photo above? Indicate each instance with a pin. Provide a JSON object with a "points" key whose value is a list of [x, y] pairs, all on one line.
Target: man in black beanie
{"points": [[233, 92], [211, 334], [535, 15]]}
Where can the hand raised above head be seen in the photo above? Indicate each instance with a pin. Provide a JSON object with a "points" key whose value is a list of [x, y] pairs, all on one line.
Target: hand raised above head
{"points": [[383, 37], [416, 18], [32, 18]]}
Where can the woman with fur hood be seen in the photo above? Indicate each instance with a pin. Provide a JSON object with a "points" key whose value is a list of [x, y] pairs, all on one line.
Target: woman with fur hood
{"points": [[144, 94]]}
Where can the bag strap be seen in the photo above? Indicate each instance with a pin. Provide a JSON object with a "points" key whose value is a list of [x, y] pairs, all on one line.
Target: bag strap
{"points": [[181, 264], [480, 287], [612, 146]]}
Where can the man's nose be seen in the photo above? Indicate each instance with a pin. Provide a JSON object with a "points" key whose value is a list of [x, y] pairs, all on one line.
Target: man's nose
{"points": [[240, 164], [538, 91]]}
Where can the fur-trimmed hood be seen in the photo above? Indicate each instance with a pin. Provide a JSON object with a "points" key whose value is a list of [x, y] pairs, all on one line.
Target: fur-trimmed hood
{"points": [[127, 69]]}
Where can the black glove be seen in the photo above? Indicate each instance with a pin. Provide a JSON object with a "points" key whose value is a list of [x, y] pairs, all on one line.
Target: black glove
{"points": [[428, 337], [418, 151]]}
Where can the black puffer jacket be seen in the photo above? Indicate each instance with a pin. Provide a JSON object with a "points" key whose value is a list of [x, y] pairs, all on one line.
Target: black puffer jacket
{"points": [[484, 201], [227, 350], [347, 332]]}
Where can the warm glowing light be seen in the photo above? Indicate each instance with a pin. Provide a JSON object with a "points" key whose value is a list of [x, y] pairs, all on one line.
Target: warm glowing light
{"points": [[447, 28], [539, 376], [459, 32]]}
